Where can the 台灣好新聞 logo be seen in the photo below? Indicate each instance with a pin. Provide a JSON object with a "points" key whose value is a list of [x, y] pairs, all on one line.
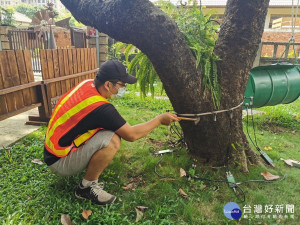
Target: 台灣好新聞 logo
{"points": [[232, 211]]}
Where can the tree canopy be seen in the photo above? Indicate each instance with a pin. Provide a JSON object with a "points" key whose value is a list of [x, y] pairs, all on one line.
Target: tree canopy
{"points": [[27, 9], [66, 14], [6, 16]]}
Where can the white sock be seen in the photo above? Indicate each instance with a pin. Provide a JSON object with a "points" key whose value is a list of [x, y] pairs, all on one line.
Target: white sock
{"points": [[87, 183]]}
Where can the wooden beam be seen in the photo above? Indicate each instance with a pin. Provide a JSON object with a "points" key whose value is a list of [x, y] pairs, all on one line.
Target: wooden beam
{"points": [[36, 123], [26, 108], [69, 76], [19, 87]]}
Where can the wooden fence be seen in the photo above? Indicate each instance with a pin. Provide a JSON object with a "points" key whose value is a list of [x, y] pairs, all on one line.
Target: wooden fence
{"points": [[29, 40], [62, 69], [18, 90]]}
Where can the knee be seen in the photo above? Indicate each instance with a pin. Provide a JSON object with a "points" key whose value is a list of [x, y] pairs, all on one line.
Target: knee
{"points": [[115, 142]]}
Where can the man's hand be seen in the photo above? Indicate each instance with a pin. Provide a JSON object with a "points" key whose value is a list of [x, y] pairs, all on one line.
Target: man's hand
{"points": [[167, 118], [133, 133]]}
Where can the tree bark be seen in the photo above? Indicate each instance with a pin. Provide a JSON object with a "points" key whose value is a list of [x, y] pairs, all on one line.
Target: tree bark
{"points": [[141, 23]]}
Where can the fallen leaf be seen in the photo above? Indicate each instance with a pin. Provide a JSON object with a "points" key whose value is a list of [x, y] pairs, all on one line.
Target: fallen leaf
{"points": [[293, 131], [291, 162], [134, 183], [65, 220], [287, 161], [86, 213], [29, 198], [264, 223], [37, 161], [203, 187], [128, 186], [183, 194], [139, 212], [182, 173], [269, 176]]}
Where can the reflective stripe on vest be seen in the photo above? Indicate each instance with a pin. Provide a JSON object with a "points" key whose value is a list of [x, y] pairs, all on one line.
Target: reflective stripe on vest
{"points": [[84, 137], [69, 111]]}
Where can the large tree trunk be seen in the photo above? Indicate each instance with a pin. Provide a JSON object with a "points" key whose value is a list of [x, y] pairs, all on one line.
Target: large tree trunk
{"points": [[141, 23]]}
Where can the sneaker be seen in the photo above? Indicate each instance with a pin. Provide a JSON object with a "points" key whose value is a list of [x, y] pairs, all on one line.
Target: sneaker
{"points": [[95, 193]]}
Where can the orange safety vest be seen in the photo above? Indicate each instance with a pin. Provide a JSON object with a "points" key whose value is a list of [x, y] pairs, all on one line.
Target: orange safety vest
{"points": [[71, 108]]}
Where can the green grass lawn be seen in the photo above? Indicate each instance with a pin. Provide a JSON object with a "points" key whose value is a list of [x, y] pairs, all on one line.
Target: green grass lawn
{"points": [[31, 194]]}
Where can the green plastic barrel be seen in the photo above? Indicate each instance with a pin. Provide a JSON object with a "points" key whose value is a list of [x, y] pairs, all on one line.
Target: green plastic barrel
{"points": [[272, 85]]}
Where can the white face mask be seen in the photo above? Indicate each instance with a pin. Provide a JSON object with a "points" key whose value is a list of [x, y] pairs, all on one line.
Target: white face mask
{"points": [[120, 94]]}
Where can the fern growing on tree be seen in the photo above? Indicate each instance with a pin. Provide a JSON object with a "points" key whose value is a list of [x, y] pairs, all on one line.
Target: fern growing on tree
{"points": [[200, 33]]}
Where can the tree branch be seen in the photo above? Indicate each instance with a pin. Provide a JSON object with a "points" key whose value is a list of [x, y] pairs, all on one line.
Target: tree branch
{"points": [[240, 35], [141, 23]]}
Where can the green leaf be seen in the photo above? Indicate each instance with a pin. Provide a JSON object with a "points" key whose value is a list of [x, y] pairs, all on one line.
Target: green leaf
{"points": [[199, 32]]}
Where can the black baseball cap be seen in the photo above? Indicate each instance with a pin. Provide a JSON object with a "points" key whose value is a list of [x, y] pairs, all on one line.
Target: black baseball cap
{"points": [[114, 70]]}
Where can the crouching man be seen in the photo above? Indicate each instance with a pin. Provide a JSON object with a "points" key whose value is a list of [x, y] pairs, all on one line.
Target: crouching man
{"points": [[85, 130]]}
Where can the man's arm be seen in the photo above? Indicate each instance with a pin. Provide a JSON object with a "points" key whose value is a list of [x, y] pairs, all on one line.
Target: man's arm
{"points": [[133, 133]]}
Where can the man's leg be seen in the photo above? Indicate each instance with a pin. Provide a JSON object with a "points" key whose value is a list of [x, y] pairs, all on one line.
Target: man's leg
{"points": [[79, 160], [102, 158], [94, 156], [89, 188]]}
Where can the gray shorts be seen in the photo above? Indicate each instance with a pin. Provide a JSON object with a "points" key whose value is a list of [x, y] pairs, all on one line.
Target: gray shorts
{"points": [[78, 160]]}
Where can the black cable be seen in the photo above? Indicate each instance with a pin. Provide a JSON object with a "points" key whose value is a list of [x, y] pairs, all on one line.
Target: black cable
{"points": [[237, 185], [237, 193], [175, 131], [180, 143], [247, 121], [235, 188], [155, 167], [262, 181], [265, 157], [253, 127]]}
